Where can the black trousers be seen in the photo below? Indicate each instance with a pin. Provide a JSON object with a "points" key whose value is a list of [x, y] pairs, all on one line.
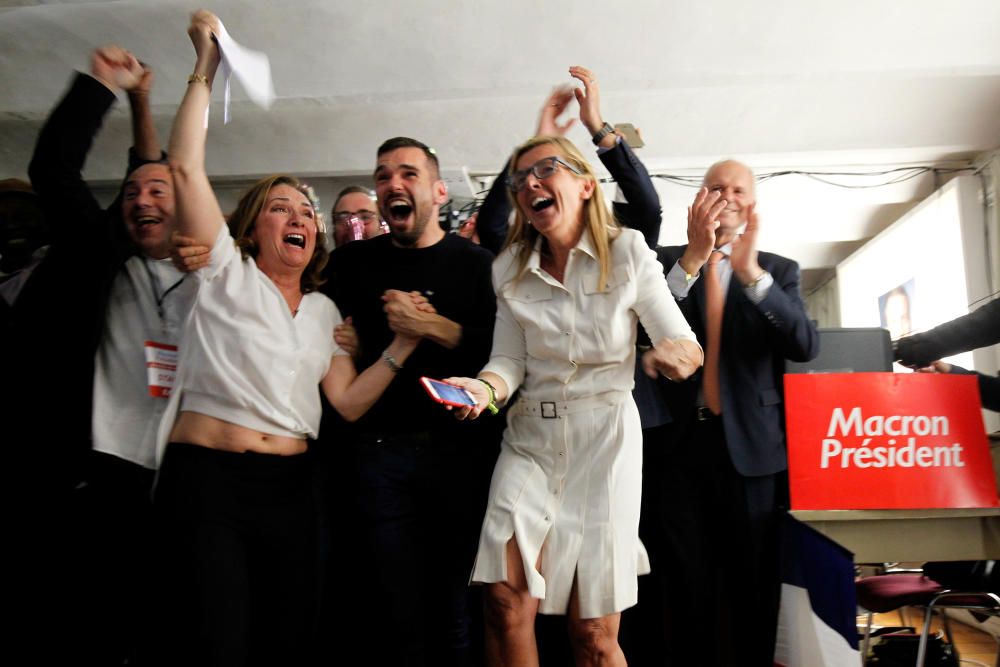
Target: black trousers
{"points": [[241, 537], [712, 537], [115, 519], [423, 498]]}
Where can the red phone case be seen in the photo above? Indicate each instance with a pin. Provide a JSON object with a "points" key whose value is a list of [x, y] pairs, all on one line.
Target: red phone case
{"points": [[428, 386]]}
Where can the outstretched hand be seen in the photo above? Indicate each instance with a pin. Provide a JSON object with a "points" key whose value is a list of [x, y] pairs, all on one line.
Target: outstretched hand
{"points": [[703, 220], [555, 106], [478, 391], [116, 68], [145, 84], [589, 98], [204, 26], [935, 367]]}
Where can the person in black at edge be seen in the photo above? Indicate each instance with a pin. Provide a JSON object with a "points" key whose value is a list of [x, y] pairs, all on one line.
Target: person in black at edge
{"points": [[76, 573]]}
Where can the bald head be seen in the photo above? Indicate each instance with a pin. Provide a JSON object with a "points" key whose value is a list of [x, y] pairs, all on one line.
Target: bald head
{"points": [[734, 181], [730, 166]]}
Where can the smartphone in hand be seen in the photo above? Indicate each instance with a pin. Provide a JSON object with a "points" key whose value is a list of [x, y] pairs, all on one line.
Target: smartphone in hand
{"points": [[630, 134], [448, 394]]}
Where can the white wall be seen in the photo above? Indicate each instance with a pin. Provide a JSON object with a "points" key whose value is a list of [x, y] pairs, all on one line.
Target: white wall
{"points": [[941, 245]]}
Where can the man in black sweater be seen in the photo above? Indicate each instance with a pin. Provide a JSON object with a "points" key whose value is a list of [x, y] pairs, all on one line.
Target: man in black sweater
{"points": [[423, 474]]}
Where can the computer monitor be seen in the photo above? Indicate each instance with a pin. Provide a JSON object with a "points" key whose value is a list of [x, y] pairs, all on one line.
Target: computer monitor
{"points": [[848, 350]]}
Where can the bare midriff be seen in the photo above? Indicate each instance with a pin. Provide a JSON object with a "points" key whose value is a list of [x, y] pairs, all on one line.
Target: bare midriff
{"points": [[194, 428]]}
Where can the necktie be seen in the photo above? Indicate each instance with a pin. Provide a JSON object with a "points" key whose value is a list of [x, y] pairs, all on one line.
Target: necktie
{"points": [[714, 302]]}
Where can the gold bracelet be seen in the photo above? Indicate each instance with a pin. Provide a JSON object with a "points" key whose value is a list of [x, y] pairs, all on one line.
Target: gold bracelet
{"points": [[199, 78], [753, 283]]}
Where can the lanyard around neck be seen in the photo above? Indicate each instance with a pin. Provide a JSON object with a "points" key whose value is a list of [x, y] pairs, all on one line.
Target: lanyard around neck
{"points": [[154, 283]]}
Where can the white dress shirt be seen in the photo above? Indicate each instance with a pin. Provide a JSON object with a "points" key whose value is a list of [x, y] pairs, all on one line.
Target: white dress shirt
{"points": [[149, 301]]}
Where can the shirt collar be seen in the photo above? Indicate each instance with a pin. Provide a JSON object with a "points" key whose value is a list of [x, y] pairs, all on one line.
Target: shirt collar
{"points": [[726, 250], [585, 244]]}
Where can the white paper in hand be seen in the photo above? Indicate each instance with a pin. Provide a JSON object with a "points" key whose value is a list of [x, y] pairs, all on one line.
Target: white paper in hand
{"points": [[252, 68]]}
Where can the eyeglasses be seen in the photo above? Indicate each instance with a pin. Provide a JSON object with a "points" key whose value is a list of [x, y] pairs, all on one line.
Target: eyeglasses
{"points": [[367, 217], [541, 169]]}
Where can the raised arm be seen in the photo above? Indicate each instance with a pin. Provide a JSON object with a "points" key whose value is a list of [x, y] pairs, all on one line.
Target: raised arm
{"points": [[145, 140], [642, 212], [65, 140], [198, 212], [978, 329], [494, 214]]}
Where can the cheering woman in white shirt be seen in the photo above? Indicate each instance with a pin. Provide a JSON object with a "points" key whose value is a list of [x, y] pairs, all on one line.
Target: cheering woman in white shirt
{"points": [[234, 483], [561, 530]]}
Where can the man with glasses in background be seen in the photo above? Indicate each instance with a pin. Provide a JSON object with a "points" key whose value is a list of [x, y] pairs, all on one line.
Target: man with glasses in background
{"points": [[355, 216]]}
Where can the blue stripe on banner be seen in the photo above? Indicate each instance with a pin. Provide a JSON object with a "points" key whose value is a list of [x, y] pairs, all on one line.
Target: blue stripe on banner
{"points": [[825, 569]]}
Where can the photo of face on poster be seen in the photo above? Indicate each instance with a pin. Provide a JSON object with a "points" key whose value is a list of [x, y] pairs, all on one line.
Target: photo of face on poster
{"points": [[896, 310]]}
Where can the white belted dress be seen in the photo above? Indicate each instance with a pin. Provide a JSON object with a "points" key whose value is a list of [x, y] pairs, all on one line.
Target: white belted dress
{"points": [[567, 483]]}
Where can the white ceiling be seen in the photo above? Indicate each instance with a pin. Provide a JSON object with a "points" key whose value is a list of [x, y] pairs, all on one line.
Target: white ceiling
{"points": [[854, 85]]}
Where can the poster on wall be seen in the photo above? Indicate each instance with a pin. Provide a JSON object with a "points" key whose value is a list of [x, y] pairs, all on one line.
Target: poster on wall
{"points": [[896, 314], [886, 441], [895, 309]]}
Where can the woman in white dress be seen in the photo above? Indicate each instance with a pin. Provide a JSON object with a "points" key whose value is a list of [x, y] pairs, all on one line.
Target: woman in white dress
{"points": [[560, 534]]}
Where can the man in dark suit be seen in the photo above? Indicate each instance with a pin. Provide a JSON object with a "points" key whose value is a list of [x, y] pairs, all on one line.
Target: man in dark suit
{"points": [[715, 477], [978, 329]]}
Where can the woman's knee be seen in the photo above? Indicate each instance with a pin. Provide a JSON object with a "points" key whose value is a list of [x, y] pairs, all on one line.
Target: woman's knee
{"points": [[508, 609], [595, 639]]}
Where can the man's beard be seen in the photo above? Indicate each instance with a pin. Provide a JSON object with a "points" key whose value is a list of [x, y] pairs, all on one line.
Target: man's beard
{"points": [[410, 237]]}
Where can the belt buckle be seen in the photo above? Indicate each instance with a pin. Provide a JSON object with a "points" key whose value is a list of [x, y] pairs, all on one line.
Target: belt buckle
{"points": [[703, 413], [549, 410]]}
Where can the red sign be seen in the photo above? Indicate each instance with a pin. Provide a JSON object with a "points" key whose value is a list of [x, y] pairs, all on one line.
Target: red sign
{"points": [[887, 441]]}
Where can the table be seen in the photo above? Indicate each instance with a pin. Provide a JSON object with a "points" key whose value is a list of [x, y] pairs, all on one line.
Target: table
{"points": [[887, 536]]}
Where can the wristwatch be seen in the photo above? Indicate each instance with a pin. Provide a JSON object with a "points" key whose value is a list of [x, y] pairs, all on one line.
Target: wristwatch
{"points": [[605, 130]]}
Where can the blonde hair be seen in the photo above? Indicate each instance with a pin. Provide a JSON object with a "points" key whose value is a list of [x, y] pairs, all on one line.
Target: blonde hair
{"points": [[599, 222]]}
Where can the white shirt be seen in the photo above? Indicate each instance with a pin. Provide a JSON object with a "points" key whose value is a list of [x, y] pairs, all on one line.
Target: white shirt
{"points": [[248, 361], [149, 301]]}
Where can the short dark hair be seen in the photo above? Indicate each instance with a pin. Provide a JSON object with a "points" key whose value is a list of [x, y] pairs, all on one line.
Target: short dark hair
{"points": [[350, 190], [406, 142]]}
